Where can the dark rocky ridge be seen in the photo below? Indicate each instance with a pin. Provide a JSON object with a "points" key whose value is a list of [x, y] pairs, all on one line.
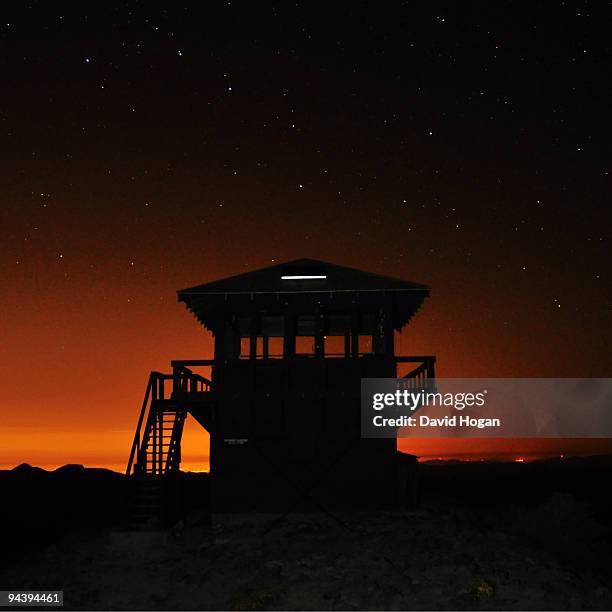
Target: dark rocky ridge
{"points": [[490, 536]]}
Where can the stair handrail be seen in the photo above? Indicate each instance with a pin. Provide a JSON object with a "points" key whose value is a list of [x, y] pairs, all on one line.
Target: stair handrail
{"points": [[135, 451], [173, 458]]}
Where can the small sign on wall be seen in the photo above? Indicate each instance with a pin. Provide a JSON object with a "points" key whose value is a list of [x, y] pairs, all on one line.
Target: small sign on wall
{"points": [[236, 441]]}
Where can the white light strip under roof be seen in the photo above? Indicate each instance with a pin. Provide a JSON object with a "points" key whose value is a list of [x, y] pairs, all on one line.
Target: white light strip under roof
{"points": [[303, 277]]}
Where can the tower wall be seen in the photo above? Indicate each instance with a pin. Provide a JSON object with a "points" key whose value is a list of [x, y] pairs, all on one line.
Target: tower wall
{"points": [[287, 434]]}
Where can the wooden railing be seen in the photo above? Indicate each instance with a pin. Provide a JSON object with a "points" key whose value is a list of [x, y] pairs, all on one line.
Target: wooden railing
{"points": [[424, 371], [423, 375], [185, 381]]}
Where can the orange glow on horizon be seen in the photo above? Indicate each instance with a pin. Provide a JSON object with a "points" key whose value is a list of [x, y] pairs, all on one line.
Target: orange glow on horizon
{"points": [[76, 369], [503, 449], [195, 439]]}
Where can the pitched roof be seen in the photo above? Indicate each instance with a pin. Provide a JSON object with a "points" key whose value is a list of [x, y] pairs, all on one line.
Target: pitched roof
{"points": [[303, 276]]}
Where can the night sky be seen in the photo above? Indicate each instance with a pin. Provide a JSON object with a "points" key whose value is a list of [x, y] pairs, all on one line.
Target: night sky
{"points": [[145, 150]]}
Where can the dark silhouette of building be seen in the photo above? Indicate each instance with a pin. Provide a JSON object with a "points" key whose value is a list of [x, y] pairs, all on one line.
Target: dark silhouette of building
{"points": [[282, 400]]}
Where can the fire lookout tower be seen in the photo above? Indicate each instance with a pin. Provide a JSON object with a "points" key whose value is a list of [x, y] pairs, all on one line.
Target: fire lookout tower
{"points": [[282, 400]]}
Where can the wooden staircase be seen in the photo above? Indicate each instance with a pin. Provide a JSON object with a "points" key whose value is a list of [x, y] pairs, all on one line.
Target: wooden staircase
{"points": [[160, 451], [146, 510], [156, 450]]}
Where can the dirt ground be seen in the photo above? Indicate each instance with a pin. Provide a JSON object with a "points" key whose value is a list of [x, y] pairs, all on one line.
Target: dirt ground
{"points": [[435, 558]]}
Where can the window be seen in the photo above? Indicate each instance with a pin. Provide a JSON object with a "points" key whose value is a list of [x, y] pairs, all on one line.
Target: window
{"points": [[272, 329], [306, 325], [276, 347], [364, 345], [304, 346], [269, 337], [368, 322], [337, 335], [243, 325], [369, 333], [259, 347], [334, 346], [245, 347], [272, 325], [338, 324], [305, 336]]}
